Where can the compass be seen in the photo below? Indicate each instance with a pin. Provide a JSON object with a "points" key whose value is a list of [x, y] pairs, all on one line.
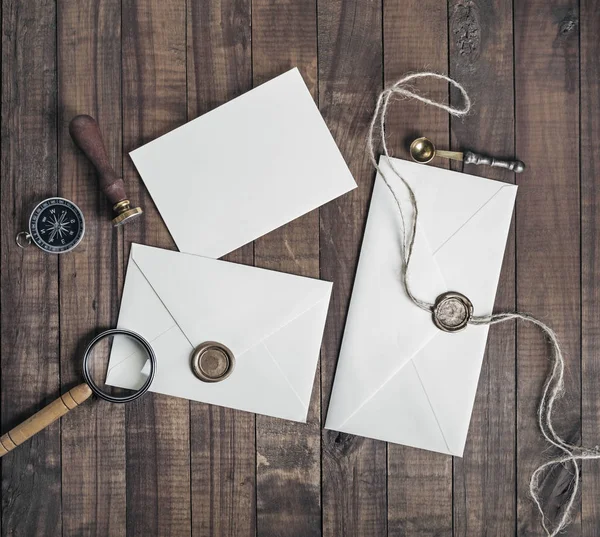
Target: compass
{"points": [[56, 226]]}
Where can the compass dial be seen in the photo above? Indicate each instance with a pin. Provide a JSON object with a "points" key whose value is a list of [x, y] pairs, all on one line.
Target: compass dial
{"points": [[56, 225]]}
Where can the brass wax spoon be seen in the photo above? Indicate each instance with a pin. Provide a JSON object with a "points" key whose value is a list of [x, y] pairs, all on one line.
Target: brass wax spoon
{"points": [[422, 150]]}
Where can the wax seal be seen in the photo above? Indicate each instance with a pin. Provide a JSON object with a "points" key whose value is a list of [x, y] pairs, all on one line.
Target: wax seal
{"points": [[212, 362], [452, 311]]}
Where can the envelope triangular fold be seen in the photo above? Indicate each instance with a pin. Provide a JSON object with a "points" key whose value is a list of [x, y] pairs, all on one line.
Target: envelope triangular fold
{"points": [[189, 285], [447, 200], [410, 419], [447, 357], [484, 268], [289, 347]]}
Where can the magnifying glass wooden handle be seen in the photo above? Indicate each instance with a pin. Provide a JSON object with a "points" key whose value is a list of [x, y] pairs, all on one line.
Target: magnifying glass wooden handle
{"points": [[40, 420], [87, 136]]}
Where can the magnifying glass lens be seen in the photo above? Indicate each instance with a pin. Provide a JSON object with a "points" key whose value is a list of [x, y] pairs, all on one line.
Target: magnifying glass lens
{"points": [[118, 366]]}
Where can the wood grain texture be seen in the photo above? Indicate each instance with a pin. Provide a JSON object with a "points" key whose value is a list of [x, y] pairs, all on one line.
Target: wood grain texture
{"points": [[154, 102], [163, 466], [288, 454], [223, 452], [590, 260], [414, 39], [481, 57], [31, 487], [548, 236], [93, 440], [350, 78]]}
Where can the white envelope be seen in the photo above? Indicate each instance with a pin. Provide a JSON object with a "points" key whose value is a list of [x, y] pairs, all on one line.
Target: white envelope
{"points": [[399, 378], [244, 169], [272, 322]]}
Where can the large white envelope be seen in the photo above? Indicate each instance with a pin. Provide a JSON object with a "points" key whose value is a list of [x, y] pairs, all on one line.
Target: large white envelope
{"points": [[272, 322], [399, 378], [244, 169]]}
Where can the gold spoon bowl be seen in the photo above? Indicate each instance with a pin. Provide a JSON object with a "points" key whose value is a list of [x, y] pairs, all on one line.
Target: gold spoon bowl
{"points": [[422, 150]]}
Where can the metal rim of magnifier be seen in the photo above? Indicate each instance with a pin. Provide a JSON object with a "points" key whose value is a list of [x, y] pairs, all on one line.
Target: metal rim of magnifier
{"points": [[88, 377]]}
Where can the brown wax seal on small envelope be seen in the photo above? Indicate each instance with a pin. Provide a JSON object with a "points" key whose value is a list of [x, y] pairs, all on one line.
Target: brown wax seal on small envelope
{"points": [[452, 311], [212, 362]]}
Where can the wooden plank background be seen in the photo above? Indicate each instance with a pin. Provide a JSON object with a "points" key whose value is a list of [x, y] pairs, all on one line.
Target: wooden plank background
{"points": [[167, 467]]}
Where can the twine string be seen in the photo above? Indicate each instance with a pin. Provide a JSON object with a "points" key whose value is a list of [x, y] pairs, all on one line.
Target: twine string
{"points": [[553, 389]]}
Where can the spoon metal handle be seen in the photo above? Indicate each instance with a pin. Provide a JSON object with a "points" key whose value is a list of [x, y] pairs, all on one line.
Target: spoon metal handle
{"points": [[470, 157], [452, 155]]}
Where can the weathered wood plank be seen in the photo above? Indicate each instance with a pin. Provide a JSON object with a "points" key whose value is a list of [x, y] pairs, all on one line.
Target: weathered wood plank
{"points": [[219, 66], [288, 492], [350, 78], [548, 235], [415, 38], [222, 440], [590, 259], [31, 487], [481, 52], [93, 438], [154, 102]]}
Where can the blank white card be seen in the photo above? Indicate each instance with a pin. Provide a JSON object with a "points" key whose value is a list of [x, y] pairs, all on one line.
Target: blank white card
{"points": [[244, 169]]}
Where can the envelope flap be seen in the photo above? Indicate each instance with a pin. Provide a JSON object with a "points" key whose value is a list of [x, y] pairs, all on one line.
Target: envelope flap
{"points": [[471, 259], [236, 305], [447, 200]]}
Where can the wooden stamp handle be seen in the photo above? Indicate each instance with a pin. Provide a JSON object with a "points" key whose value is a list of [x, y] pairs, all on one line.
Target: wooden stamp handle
{"points": [[49, 414], [87, 136]]}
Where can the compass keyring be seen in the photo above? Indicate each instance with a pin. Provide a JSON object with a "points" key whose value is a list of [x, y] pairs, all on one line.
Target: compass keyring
{"points": [[56, 226], [81, 393]]}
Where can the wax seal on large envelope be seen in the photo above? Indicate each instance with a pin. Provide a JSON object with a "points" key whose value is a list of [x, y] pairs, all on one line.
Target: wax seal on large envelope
{"points": [[452, 311], [212, 362]]}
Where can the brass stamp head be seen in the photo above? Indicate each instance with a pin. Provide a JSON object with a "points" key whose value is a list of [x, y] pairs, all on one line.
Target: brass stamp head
{"points": [[125, 213]]}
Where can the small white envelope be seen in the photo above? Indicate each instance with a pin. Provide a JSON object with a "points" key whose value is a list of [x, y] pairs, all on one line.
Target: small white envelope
{"points": [[272, 322], [244, 169], [399, 378]]}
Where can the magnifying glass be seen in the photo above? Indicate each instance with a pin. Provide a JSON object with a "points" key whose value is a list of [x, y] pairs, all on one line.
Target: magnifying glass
{"points": [[95, 367]]}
